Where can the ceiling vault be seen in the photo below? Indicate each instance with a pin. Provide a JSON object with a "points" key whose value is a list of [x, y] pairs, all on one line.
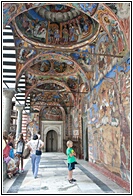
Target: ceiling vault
{"points": [[57, 53]]}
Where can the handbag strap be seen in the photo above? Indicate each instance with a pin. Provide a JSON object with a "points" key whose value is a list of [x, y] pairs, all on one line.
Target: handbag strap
{"points": [[37, 144]]}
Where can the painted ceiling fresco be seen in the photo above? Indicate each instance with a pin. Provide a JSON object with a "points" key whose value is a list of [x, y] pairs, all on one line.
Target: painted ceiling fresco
{"points": [[46, 25], [61, 47], [51, 67], [49, 97]]}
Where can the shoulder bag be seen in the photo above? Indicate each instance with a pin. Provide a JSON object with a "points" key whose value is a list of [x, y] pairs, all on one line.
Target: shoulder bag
{"points": [[38, 152]]}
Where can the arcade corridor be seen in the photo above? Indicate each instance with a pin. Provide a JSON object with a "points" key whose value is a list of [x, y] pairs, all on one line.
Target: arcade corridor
{"points": [[66, 75]]}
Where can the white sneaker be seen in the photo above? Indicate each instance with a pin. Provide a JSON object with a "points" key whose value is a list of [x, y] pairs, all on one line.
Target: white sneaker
{"points": [[22, 170]]}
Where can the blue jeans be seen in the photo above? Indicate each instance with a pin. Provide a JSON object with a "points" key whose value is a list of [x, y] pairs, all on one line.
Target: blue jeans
{"points": [[35, 160]]}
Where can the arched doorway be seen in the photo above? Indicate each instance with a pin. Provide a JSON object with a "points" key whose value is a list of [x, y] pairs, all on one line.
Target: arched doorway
{"points": [[51, 141]]}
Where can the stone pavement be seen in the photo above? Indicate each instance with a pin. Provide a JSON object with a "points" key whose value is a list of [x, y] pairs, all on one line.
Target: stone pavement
{"points": [[52, 179]]}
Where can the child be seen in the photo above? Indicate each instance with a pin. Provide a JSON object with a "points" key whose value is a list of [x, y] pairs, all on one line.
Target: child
{"points": [[20, 149], [71, 160]]}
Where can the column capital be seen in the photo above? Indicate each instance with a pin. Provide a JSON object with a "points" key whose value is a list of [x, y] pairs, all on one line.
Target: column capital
{"points": [[19, 107], [9, 93]]}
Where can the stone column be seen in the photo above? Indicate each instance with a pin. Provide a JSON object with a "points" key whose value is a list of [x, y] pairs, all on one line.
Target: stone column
{"points": [[19, 120], [7, 105]]}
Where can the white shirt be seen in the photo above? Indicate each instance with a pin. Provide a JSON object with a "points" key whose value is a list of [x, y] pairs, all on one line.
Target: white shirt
{"points": [[20, 146], [34, 145]]}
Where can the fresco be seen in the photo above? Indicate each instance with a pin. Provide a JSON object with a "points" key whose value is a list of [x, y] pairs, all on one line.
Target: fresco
{"points": [[123, 13], [72, 83], [62, 98], [42, 64], [111, 25], [10, 10], [32, 79], [98, 65], [61, 47], [25, 51], [52, 67], [55, 27], [53, 12], [75, 118], [33, 124], [108, 116], [89, 8], [51, 113], [94, 68]]}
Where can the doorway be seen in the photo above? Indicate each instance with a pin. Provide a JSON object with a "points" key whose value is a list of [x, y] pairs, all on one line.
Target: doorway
{"points": [[51, 141]]}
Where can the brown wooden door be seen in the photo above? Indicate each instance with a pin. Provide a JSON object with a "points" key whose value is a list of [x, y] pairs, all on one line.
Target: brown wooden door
{"points": [[51, 141]]}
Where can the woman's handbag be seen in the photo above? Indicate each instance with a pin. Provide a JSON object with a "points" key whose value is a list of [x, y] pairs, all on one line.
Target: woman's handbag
{"points": [[38, 152], [26, 153]]}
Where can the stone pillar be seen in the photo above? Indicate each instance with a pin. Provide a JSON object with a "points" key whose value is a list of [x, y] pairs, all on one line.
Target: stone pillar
{"points": [[19, 120], [7, 105]]}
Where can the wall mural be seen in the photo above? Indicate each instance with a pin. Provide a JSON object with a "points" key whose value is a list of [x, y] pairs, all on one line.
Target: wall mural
{"points": [[52, 67], [32, 79], [39, 64], [72, 83], [15, 8], [47, 25], [122, 10], [10, 10], [96, 66], [51, 112], [93, 73], [32, 125], [110, 24], [25, 51], [108, 116], [116, 34], [89, 8], [63, 98], [75, 125]]}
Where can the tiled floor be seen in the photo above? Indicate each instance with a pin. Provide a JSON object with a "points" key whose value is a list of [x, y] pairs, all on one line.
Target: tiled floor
{"points": [[52, 179]]}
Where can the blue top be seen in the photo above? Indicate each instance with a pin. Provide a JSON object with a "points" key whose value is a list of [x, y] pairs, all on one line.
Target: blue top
{"points": [[11, 153]]}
